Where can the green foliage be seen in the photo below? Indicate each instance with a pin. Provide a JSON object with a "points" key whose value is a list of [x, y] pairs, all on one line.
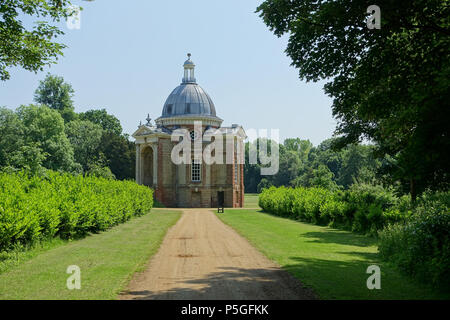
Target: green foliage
{"points": [[34, 207], [119, 154], [415, 237], [323, 177], [107, 121], [303, 165], [388, 85], [56, 94], [319, 256], [101, 172], [31, 48], [36, 137], [263, 184], [421, 246], [33, 137], [362, 209], [85, 138], [11, 136], [44, 129]]}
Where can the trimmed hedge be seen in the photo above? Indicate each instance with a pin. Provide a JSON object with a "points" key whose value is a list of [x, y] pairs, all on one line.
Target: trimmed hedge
{"points": [[362, 209], [59, 204], [414, 238]]}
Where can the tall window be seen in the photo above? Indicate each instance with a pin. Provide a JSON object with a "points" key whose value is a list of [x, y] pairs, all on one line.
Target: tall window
{"points": [[196, 170]]}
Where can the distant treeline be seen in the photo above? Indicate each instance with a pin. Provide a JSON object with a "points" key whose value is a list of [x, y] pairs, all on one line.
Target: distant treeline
{"points": [[50, 135], [302, 164]]}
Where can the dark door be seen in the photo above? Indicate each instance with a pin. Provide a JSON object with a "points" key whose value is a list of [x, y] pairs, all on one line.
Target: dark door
{"points": [[220, 198], [196, 200]]}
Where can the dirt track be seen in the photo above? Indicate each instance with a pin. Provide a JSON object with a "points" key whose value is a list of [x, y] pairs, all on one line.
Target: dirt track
{"points": [[202, 258]]}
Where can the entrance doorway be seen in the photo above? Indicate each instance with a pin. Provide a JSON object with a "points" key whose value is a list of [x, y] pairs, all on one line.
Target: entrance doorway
{"points": [[196, 200], [220, 199], [148, 167]]}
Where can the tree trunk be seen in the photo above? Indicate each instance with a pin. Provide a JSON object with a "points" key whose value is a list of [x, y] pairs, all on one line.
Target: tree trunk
{"points": [[412, 190]]}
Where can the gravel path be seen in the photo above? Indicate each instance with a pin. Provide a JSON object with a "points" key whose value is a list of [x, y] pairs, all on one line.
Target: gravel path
{"points": [[202, 258]]}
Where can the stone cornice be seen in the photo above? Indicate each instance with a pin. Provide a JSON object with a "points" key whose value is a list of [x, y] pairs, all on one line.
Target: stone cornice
{"points": [[189, 120]]}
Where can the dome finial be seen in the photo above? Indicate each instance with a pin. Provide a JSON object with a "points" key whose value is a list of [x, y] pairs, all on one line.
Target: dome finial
{"points": [[189, 56]]}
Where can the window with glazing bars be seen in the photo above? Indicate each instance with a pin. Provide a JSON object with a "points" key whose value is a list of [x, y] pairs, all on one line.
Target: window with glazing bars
{"points": [[195, 170]]}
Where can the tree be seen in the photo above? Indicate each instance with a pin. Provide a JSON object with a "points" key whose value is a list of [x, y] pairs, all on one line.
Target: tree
{"points": [[323, 177], [11, 136], [120, 155], [302, 147], [107, 121], [358, 164], [390, 85], [55, 93], [263, 184], [325, 154], [252, 172], [290, 168], [85, 138], [31, 48], [43, 128], [30, 157]]}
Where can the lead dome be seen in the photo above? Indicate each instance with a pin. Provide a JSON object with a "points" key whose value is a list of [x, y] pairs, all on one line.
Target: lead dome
{"points": [[188, 99]]}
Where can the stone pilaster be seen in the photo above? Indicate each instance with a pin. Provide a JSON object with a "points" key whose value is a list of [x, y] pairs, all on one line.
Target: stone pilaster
{"points": [[138, 163]]}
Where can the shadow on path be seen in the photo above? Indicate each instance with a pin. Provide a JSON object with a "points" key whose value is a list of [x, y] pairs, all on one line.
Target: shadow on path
{"points": [[233, 284]]}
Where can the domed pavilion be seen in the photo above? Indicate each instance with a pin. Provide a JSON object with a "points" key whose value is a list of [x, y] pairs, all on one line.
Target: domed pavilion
{"points": [[195, 182]]}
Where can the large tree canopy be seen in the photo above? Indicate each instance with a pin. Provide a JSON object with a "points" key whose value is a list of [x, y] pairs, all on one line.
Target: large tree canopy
{"points": [[85, 138], [44, 130], [107, 121], [56, 94], [31, 48], [389, 85]]}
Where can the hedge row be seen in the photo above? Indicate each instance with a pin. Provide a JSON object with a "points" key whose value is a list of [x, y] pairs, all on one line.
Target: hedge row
{"points": [[421, 245], [362, 209], [414, 238], [32, 207]]}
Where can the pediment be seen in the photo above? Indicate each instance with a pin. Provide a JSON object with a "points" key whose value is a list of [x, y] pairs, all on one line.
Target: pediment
{"points": [[143, 131]]}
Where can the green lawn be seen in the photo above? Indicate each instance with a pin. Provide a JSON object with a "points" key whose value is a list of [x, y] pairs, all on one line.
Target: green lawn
{"points": [[107, 261], [251, 200], [332, 262]]}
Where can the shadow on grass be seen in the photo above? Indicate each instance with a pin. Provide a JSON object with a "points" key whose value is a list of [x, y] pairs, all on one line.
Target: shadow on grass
{"points": [[347, 279], [329, 235], [332, 279], [232, 283]]}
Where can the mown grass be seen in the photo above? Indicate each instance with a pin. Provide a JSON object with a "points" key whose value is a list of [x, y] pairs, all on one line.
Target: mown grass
{"points": [[19, 254], [251, 200], [107, 261], [332, 262]]}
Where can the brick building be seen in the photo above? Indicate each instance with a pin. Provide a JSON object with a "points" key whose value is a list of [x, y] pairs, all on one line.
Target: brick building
{"points": [[195, 182]]}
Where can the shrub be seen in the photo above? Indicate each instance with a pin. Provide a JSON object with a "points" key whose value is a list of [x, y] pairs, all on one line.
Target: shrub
{"points": [[414, 237], [36, 207], [362, 209], [421, 245]]}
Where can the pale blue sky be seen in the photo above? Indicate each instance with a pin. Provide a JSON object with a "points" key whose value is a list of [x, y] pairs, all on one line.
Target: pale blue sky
{"points": [[128, 55]]}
